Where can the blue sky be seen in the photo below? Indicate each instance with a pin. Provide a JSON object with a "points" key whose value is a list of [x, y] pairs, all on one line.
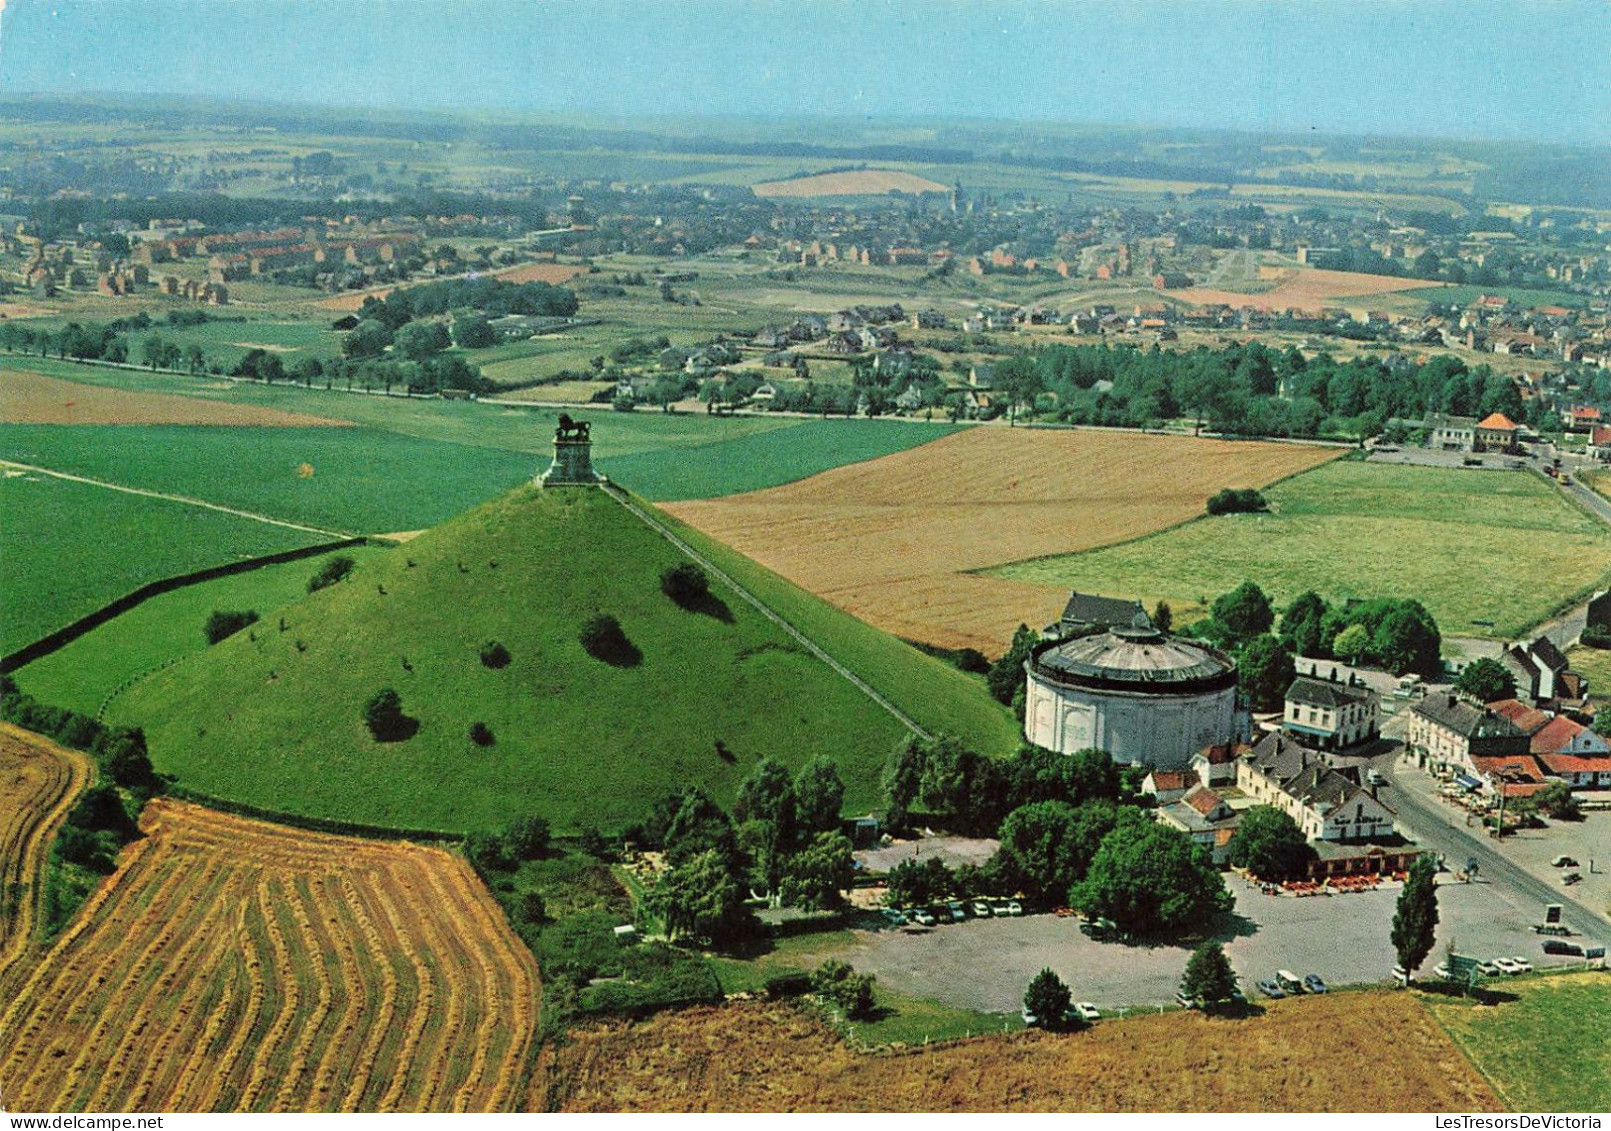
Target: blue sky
{"points": [[1471, 68]]}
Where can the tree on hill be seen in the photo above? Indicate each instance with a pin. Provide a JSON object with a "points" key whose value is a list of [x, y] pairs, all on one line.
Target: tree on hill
{"points": [[383, 715], [494, 655], [1269, 844], [333, 570], [1047, 999], [1302, 626], [1148, 877], [1486, 680], [1265, 670], [1163, 617], [685, 584], [1415, 920], [819, 794], [1237, 501], [474, 332], [767, 794], [1209, 977], [1244, 612]]}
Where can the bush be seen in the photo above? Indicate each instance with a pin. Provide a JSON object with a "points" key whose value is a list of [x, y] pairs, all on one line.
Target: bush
{"points": [[486, 853], [685, 584], [526, 838], [791, 984], [1596, 636], [333, 570], [838, 983], [221, 625], [1245, 500], [481, 734], [604, 639], [383, 714], [1047, 999], [494, 655]]}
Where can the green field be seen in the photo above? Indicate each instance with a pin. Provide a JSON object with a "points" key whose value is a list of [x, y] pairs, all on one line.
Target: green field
{"points": [[1548, 1051], [363, 480], [1594, 664], [1489, 553], [70, 548], [1525, 296], [276, 721], [226, 342], [161, 630]]}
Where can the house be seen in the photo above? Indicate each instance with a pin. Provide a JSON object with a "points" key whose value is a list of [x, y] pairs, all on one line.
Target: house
{"points": [[1562, 735], [1205, 817], [979, 406], [1327, 803], [911, 400], [1169, 786], [1528, 720], [1446, 730], [1087, 612], [1600, 442], [1216, 765], [771, 337], [1330, 715], [1581, 417], [1578, 771], [1510, 776], [1537, 667], [981, 375], [1495, 432], [1451, 433]]}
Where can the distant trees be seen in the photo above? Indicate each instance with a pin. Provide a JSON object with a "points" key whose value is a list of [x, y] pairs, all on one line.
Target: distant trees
{"points": [[1486, 680], [1269, 844], [1047, 846], [1415, 919], [527, 838], [1265, 670], [701, 898], [1243, 613], [816, 877], [917, 881], [1163, 617], [222, 624], [420, 340], [819, 795], [1006, 675], [367, 339], [473, 332]]}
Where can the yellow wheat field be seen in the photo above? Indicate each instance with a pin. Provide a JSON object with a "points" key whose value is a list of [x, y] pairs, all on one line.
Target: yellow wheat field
{"points": [[234, 965], [39, 782]]}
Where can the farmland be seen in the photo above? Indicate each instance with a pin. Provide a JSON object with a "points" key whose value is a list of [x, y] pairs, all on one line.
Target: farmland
{"points": [[1298, 1056], [861, 182], [39, 782], [88, 545], [162, 630], [1309, 290], [34, 398], [1447, 537], [277, 721], [231, 965], [893, 540], [1548, 1050]]}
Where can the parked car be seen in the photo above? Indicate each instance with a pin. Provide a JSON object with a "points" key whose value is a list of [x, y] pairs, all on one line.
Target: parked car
{"points": [[1064, 912], [1375, 776], [958, 913], [1270, 989], [1314, 984], [1522, 965], [1571, 878], [1289, 981], [1506, 966], [1441, 971], [981, 909], [1489, 969], [1561, 946], [1087, 1012], [1029, 1018], [1563, 862], [894, 917], [999, 907], [1014, 907], [923, 916]]}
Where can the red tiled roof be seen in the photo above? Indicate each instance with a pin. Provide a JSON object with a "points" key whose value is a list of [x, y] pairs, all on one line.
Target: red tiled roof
{"points": [[1172, 779], [1496, 420], [1602, 435], [1575, 763], [1555, 735], [1527, 719], [1223, 752], [1516, 767], [1585, 412], [1203, 799]]}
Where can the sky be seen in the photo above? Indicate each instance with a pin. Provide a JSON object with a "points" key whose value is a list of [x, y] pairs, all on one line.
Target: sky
{"points": [[1478, 69]]}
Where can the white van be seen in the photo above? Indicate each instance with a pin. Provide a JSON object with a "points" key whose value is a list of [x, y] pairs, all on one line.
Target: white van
{"points": [[1289, 981]]}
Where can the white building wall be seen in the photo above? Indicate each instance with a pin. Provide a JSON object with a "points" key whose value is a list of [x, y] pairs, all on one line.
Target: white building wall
{"points": [[1162, 731]]}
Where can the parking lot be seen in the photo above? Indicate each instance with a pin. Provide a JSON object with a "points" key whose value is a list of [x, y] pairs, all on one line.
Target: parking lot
{"points": [[985, 964]]}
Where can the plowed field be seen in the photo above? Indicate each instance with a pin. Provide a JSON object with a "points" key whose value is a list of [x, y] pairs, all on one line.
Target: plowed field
{"points": [[33, 398], [891, 540], [232, 965], [1309, 289], [1316, 1054], [38, 783], [858, 182]]}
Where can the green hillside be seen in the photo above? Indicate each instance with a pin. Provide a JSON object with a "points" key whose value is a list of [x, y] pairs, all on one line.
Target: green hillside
{"points": [[276, 721]]}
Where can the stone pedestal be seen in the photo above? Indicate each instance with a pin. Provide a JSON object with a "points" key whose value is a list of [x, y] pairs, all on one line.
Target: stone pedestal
{"points": [[572, 466]]}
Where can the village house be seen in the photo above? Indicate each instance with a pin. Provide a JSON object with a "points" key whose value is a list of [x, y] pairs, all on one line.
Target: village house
{"points": [[1496, 432], [1086, 613], [1330, 715], [1168, 786], [1448, 731], [1326, 803], [1205, 817], [1451, 433], [1216, 765], [1539, 669]]}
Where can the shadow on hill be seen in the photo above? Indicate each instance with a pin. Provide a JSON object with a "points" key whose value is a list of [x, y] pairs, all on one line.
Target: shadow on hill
{"points": [[1476, 995], [710, 605], [400, 729]]}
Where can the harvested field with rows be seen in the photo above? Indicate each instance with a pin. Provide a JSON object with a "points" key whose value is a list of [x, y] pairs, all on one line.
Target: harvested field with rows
{"points": [[892, 540], [233, 965], [1308, 290], [856, 182], [1301, 1055], [33, 398], [39, 782]]}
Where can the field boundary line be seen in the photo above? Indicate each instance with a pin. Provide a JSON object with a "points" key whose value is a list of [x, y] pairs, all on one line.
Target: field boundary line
{"points": [[185, 499], [1466, 1053], [764, 609]]}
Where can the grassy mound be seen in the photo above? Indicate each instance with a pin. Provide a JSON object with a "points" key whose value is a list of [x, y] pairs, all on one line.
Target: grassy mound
{"points": [[278, 721]]}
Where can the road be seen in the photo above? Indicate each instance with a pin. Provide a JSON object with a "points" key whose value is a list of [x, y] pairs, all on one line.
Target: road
{"points": [[1432, 824]]}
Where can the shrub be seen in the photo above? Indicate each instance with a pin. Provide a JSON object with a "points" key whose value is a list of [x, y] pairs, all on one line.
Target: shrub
{"points": [[526, 838], [790, 984], [838, 983], [1596, 636], [481, 734], [1047, 999], [604, 639], [685, 584], [486, 853], [383, 714], [494, 655], [333, 570], [1244, 500], [222, 624]]}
